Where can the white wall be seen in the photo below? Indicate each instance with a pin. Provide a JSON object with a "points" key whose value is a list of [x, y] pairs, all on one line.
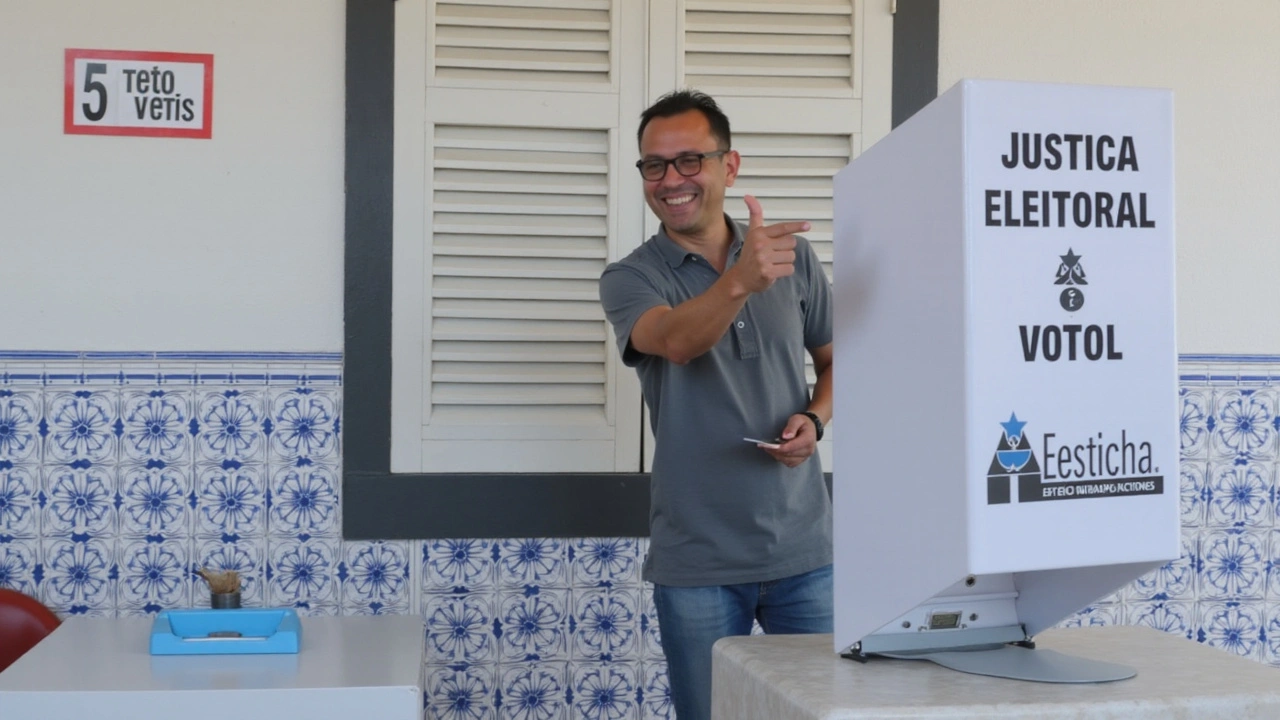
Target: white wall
{"points": [[1222, 62], [134, 243]]}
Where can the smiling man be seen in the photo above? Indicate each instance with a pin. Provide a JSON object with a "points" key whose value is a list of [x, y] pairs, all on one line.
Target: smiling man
{"points": [[716, 318]]}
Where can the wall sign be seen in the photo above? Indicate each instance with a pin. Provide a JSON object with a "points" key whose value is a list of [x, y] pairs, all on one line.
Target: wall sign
{"points": [[126, 92]]}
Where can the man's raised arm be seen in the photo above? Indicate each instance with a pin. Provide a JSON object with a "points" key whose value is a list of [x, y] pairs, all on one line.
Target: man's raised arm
{"points": [[693, 327]]}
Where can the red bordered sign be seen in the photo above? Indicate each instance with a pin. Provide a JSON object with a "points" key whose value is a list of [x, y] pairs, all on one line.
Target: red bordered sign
{"points": [[126, 92]]}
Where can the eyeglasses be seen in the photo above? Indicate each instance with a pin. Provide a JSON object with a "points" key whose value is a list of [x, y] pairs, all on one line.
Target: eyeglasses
{"points": [[653, 169]]}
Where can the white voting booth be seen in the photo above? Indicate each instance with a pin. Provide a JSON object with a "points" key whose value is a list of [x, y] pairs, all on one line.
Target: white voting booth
{"points": [[1006, 450]]}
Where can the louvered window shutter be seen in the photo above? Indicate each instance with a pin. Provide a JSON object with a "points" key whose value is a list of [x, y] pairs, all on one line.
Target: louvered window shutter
{"points": [[779, 49], [519, 202], [503, 43], [519, 220]]}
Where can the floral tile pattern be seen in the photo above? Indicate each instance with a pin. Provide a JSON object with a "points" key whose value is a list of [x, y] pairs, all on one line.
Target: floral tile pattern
{"points": [[1224, 590], [535, 626], [19, 415], [117, 484], [535, 691]]}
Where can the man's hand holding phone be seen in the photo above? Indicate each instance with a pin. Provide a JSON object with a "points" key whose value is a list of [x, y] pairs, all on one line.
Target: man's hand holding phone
{"points": [[796, 443]]}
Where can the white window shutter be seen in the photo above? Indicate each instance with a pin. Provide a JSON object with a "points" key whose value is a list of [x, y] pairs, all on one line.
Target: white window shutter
{"points": [[519, 238], [502, 43], [775, 49], [519, 208]]}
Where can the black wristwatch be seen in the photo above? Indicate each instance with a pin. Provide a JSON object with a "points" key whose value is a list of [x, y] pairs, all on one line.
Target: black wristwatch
{"points": [[817, 424]]}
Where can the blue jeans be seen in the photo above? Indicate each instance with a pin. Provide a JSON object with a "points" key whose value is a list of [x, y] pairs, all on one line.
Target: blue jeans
{"points": [[692, 619]]}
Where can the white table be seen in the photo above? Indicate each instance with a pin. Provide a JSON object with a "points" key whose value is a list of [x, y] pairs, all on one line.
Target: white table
{"points": [[784, 677], [100, 668]]}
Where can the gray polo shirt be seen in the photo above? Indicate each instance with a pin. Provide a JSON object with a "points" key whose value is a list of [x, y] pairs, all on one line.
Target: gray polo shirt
{"points": [[723, 511]]}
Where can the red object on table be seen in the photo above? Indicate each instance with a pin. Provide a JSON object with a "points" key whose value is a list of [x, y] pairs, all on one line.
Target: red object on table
{"points": [[24, 621]]}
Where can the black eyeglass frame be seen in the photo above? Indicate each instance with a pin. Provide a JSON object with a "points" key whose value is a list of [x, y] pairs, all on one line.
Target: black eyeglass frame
{"points": [[673, 162]]}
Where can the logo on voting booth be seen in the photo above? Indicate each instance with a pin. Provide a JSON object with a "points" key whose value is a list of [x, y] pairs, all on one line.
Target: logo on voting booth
{"points": [[1014, 457], [1097, 467], [1071, 274]]}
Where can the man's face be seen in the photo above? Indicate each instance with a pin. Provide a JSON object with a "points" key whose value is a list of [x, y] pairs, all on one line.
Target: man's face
{"points": [[687, 206]]}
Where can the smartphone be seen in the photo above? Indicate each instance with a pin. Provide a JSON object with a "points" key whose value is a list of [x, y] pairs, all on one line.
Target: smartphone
{"points": [[773, 444]]}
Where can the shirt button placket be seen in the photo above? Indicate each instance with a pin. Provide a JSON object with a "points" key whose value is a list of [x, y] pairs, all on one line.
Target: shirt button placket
{"points": [[746, 335]]}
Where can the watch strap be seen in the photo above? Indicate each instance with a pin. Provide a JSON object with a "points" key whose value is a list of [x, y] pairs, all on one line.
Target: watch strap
{"points": [[817, 424]]}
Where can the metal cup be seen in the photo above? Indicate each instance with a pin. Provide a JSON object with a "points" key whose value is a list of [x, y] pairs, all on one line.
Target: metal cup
{"points": [[224, 601]]}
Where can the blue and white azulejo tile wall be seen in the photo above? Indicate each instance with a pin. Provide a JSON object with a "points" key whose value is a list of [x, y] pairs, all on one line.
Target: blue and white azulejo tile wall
{"points": [[540, 628], [1225, 589], [123, 473]]}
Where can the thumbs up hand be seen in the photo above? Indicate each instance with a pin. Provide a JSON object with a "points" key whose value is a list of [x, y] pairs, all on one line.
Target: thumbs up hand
{"points": [[768, 251]]}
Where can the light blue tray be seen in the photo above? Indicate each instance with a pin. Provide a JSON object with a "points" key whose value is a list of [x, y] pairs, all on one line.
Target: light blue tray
{"points": [[204, 632]]}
